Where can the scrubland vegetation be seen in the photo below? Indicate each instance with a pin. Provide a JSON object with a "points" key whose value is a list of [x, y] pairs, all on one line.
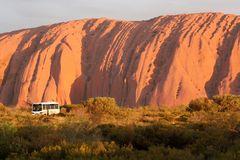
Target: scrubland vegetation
{"points": [[100, 129]]}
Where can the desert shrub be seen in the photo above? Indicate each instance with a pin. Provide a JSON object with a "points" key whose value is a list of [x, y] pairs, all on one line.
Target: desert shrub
{"points": [[167, 153], [227, 102], [160, 135], [7, 134], [17, 156], [49, 152], [93, 150], [2, 108], [202, 104], [121, 135], [183, 118], [71, 107], [172, 135], [101, 105], [76, 132], [37, 137], [144, 137]]}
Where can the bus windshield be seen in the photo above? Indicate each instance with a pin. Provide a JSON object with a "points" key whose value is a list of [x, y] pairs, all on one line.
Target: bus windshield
{"points": [[37, 107]]}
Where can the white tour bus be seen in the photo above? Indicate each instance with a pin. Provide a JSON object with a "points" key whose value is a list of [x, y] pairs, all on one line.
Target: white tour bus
{"points": [[46, 108]]}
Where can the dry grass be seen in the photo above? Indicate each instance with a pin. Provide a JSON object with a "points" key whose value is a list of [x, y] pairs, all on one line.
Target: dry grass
{"points": [[124, 117], [123, 132]]}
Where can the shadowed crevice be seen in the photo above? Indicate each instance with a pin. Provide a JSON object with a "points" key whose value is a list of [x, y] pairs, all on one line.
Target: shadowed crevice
{"points": [[221, 68], [19, 60], [162, 64], [235, 85]]}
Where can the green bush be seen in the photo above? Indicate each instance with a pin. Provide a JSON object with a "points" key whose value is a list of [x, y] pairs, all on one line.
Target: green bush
{"points": [[171, 135], [167, 153], [227, 102], [217, 103], [36, 137], [7, 135], [202, 104], [49, 152], [121, 135], [2, 108], [101, 105], [144, 137], [71, 107]]}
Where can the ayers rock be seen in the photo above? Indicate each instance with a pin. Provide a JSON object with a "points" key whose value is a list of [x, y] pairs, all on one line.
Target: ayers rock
{"points": [[166, 60]]}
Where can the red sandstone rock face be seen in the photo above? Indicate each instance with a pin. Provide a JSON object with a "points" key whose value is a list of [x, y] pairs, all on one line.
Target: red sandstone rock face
{"points": [[167, 60]]}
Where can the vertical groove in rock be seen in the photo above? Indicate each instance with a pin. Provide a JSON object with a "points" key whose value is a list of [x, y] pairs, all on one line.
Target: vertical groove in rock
{"points": [[165, 60]]}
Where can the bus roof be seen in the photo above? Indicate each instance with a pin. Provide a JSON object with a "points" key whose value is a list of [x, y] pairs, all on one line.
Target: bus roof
{"points": [[46, 103]]}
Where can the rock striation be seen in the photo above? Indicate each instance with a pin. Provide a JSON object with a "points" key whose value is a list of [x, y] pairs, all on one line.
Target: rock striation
{"points": [[168, 60]]}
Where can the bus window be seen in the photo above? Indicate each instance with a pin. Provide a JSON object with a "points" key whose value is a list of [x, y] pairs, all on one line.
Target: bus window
{"points": [[52, 106], [37, 107]]}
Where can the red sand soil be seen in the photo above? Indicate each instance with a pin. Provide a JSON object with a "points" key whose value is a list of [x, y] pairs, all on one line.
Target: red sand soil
{"points": [[166, 60]]}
